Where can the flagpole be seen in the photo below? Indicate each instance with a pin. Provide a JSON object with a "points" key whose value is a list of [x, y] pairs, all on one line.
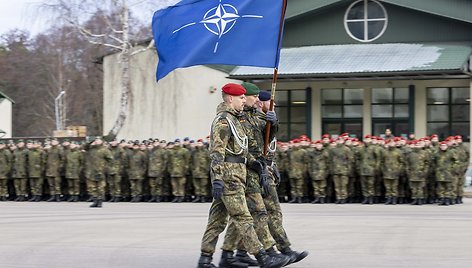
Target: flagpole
{"points": [[274, 80]]}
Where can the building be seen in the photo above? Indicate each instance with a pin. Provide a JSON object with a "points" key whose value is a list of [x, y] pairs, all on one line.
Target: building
{"points": [[357, 66], [6, 107]]}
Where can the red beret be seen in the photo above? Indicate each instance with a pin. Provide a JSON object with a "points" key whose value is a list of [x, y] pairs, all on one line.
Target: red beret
{"points": [[397, 139], [200, 140], [367, 136], [458, 137], [234, 89], [434, 136], [326, 136]]}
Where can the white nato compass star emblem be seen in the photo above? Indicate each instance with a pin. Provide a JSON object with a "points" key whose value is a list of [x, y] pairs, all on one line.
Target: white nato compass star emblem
{"points": [[219, 20]]}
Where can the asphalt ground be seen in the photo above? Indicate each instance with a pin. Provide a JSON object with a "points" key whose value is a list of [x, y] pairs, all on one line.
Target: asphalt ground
{"points": [[168, 235]]}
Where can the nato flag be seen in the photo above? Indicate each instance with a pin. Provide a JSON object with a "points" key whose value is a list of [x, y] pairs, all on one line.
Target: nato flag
{"points": [[230, 32]]}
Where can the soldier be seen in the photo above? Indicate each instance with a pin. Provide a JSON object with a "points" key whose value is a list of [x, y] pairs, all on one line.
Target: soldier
{"points": [[137, 167], [115, 170], [318, 167], [392, 165], [35, 170], [19, 172], [200, 171], [5, 168], [54, 164], [228, 152], [73, 168], [157, 163], [417, 172], [296, 171], [179, 159], [281, 159], [445, 162], [100, 158], [403, 180], [463, 156], [340, 166]]}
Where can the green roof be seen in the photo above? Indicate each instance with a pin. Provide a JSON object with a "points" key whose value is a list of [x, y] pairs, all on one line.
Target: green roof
{"points": [[4, 96], [454, 9], [357, 60]]}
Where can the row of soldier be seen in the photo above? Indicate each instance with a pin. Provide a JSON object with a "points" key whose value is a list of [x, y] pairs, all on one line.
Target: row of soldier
{"points": [[394, 170], [157, 170]]}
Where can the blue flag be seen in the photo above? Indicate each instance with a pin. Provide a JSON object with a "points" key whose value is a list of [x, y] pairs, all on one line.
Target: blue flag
{"points": [[230, 32]]}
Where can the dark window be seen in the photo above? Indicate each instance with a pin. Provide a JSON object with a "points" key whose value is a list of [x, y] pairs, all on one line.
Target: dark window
{"points": [[293, 112], [448, 112], [390, 110], [342, 110]]}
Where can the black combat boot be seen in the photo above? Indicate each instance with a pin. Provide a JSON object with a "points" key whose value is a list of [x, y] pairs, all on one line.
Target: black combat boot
{"points": [[394, 201], [58, 198], [316, 201], [459, 200], [294, 256], [3, 199], [388, 201], [365, 201], [32, 199], [205, 261], [267, 261], [414, 202], [153, 199], [229, 261], [420, 201], [175, 199], [322, 200], [447, 201], [95, 203], [134, 199], [452, 201], [118, 199], [293, 200], [197, 199], [99, 203], [242, 256], [158, 198], [71, 199]]}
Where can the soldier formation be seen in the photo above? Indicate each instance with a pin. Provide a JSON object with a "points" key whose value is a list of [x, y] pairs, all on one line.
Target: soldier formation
{"points": [[152, 170], [376, 170]]}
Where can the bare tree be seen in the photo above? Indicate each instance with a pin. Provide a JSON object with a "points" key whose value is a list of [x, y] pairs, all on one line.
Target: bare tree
{"points": [[121, 29]]}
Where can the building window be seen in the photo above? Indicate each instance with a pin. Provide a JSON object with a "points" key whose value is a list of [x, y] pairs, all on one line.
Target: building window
{"points": [[342, 110], [365, 20], [448, 112], [390, 110], [292, 107]]}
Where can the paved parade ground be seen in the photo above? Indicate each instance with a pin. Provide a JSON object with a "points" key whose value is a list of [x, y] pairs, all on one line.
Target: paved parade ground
{"points": [[168, 235]]}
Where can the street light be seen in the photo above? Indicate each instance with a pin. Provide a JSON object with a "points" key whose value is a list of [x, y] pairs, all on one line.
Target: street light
{"points": [[59, 108]]}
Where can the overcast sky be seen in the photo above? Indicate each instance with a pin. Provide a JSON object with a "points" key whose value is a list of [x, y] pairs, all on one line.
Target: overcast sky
{"points": [[23, 14]]}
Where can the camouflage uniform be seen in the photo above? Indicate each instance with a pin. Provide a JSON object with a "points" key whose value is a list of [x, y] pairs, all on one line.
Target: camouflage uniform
{"points": [[100, 158], [137, 167], [5, 168], [403, 186], [281, 159], [35, 171], [200, 171], [73, 168], [417, 172], [340, 166], [296, 171], [318, 168], [392, 165], [445, 162], [226, 146], [54, 164], [156, 168], [115, 170], [463, 156], [179, 160], [368, 164], [19, 171]]}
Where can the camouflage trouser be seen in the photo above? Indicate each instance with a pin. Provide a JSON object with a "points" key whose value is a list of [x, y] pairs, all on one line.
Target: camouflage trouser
{"points": [[36, 185], [178, 186], [20, 186], [125, 186], [319, 187], [201, 186], [367, 183], [282, 189], [234, 205], [460, 186], [391, 187], [189, 188], [114, 184], [351, 187], [455, 179], [417, 189], [136, 187], [54, 185], [402, 186], [271, 202], [155, 185], [3, 187], [444, 189], [296, 185], [430, 189], [74, 186], [340, 186], [378, 183], [96, 188], [166, 187]]}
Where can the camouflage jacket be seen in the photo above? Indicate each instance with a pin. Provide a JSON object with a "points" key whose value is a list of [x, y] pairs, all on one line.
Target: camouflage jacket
{"points": [[445, 161], [392, 163], [297, 166], [99, 159], [157, 162], [200, 163], [119, 158], [417, 165], [74, 163], [54, 161], [5, 163], [20, 158], [340, 160], [318, 165], [368, 161], [35, 163], [179, 161], [137, 165]]}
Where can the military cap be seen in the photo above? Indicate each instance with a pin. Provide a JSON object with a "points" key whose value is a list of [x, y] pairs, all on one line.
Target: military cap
{"points": [[177, 140], [434, 136], [251, 89], [443, 143], [29, 141], [234, 89], [200, 140], [192, 141], [264, 95], [458, 137], [186, 139], [136, 142], [170, 143], [368, 136], [163, 141], [325, 136]]}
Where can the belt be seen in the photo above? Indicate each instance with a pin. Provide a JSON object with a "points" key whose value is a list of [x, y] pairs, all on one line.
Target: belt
{"points": [[235, 159]]}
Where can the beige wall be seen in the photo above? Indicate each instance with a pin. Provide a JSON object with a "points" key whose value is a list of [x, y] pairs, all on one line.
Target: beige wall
{"points": [[6, 117], [180, 105], [420, 98]]}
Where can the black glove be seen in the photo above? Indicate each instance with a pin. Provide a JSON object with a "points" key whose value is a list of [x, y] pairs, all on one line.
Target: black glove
{"points": [[217, 189], [257, 166], [271, 116], [264, 181]]}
